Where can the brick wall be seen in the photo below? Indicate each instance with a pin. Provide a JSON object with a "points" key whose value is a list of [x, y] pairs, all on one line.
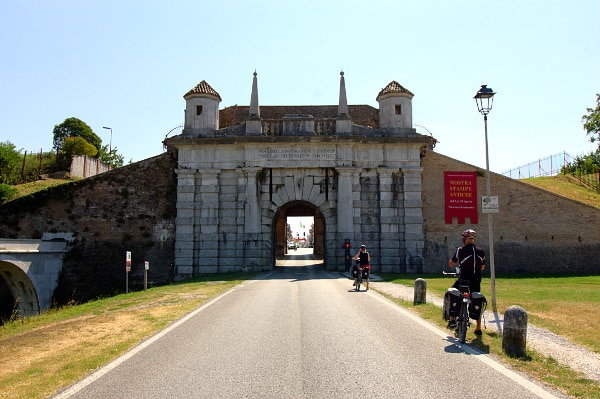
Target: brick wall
{"points": [[535, 231], [127, 209]]}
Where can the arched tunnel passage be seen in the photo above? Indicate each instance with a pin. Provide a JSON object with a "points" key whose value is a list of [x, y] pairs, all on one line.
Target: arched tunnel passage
{"points": [[7, 302], [310, 242], [18, 295]]}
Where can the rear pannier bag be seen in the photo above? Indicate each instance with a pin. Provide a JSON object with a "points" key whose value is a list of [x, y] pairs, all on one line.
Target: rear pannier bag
{"points": [[453, 297], [477, 305]]}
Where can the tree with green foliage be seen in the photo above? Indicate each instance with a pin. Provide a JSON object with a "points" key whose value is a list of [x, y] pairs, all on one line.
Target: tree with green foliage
{"points": [[73, 127], [114, 159], [10, 161], [590, 163], [591, 122], [73, 146]]}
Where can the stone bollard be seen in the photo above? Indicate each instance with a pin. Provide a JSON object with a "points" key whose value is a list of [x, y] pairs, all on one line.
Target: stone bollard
{"points": [[514, 335], [420, 291]]}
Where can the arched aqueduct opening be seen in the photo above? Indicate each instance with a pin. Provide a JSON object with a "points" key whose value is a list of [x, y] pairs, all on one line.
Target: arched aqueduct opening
{"points": [[18, 296]]}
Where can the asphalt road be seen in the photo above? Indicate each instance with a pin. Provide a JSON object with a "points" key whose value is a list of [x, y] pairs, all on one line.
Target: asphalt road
{"points": [[302, 332]]}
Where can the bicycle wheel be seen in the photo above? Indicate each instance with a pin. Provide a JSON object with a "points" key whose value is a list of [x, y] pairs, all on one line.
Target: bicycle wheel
{"points": [[463, 323], [358, 281]]}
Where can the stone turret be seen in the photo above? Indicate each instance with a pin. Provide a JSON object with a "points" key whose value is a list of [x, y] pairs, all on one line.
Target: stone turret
{"points": [[201, 111], [253, 122], [395, 107]]}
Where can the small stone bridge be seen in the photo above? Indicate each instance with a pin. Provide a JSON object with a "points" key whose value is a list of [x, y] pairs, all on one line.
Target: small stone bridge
{"points": [[29, 271]]}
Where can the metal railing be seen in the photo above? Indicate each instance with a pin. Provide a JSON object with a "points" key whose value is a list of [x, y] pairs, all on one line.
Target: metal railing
{"points": [[549, 166], [552, 166]]}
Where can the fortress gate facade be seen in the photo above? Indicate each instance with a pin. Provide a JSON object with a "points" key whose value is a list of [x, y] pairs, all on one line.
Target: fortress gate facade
{"points": [[243, 170]]}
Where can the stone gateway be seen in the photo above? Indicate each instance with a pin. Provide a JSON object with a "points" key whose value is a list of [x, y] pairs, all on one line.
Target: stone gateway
{"points": [[238, 183]]}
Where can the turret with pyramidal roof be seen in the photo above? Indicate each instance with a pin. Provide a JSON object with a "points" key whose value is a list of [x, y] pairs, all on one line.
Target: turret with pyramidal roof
{"points": [[201, 111], [395, 107]]}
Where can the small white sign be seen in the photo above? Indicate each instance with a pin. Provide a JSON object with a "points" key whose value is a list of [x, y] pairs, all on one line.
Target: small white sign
{"points": [[147, 265], [489, 204]]}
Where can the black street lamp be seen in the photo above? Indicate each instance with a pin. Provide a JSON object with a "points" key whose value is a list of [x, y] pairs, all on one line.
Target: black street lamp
{"points": [[485, 99], [110, 142]]}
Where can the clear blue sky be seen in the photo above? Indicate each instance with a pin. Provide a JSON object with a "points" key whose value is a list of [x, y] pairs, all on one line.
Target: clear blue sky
{"points": [[127, 64]]}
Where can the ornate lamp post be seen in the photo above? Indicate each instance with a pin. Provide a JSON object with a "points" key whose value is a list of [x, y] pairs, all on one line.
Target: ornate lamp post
{"points": [[110, 142], [485, 99]]}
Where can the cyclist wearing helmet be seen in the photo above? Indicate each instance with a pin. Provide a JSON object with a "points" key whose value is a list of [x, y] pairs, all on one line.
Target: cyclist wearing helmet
{"points": [[364, 261], [471, 260]]}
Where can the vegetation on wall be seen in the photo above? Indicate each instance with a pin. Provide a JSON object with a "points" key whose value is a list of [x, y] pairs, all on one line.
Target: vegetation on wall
{"points": [[70, 138]]}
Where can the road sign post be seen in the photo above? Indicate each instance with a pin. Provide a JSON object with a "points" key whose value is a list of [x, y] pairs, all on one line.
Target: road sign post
{"points": [[127, 270], [146, 267]]}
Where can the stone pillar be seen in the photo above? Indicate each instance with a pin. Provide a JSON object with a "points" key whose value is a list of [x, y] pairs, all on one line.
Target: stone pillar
{"points": [[345, 209], [389, 220], [420, 293], [207, 237], [251, 211], [514, 333], [413, 220], [184, 223]]}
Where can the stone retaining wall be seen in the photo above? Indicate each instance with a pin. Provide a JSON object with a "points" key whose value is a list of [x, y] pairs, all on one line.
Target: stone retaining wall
{"points": [[127, 209]]}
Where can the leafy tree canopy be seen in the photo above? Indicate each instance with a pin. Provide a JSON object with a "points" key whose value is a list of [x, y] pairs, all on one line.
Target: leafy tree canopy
{"points": [[72, 146], [591, 122], [73, 127], [112, 157]]}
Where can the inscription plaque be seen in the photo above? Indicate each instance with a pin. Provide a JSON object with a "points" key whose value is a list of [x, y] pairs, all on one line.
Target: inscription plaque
{"points": [[298, 153]]}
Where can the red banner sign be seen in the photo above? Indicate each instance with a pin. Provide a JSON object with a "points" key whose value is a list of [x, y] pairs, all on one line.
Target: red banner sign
{"points": [[461, 196]]}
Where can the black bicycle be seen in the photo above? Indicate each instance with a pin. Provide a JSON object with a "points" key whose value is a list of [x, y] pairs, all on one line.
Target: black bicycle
{"points": [[462, 301], [359, 275]]}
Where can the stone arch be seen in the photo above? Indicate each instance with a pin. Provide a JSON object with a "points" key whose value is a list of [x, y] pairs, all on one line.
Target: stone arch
{"points": [[16, 286], [299, 208]]}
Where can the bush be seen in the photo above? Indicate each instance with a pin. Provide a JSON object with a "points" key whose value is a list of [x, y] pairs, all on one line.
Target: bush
{"points": [[7, 192]]}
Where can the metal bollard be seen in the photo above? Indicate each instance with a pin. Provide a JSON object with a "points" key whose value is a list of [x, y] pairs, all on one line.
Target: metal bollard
{"points": [[514, 334], [420, 291]]}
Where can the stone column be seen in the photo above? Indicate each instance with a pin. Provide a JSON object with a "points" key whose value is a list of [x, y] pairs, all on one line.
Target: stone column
{"points": [[251, 211], [184, 223], [413, 219], [390, 219], [207, 238], [345, 209]]}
